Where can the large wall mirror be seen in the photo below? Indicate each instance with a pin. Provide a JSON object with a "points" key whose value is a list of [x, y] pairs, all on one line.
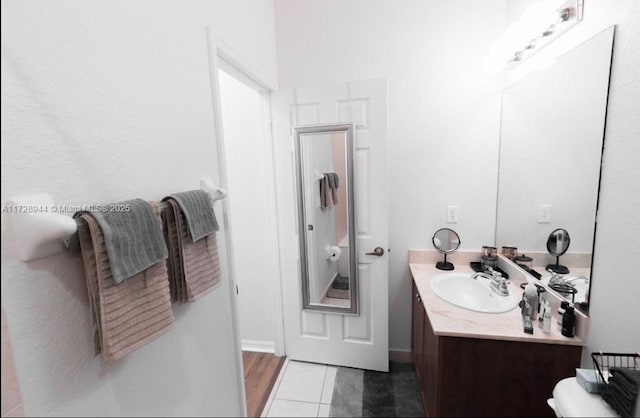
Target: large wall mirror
{"points": [[552, 134], [326, 228]]}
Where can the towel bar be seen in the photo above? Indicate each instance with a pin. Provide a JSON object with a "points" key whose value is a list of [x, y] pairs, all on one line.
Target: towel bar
{"points": [[40, 227]]}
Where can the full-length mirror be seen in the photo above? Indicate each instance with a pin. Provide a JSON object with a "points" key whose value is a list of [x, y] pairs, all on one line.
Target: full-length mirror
{"points": [[324, 166], [551, 145]]}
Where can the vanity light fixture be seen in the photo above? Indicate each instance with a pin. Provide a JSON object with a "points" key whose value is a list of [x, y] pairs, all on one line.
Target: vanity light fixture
{"points": [[567, 14], [538, 26]]}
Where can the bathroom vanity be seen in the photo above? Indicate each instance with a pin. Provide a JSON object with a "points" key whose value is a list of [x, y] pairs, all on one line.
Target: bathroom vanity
{"points": [[482, 364]]}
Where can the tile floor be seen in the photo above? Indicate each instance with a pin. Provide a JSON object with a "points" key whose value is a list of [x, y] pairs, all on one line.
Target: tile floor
{"points": [[302, 390], [317, 390]]}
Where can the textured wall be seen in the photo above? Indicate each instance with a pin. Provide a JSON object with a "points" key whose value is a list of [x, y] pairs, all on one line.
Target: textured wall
{"points": [[106, 101], [11, 397]]}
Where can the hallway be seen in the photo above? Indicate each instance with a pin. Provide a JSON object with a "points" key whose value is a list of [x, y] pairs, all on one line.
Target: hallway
{"points": [[260, 373]]}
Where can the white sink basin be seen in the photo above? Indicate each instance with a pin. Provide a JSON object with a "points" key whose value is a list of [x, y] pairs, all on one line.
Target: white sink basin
{"points": [[474, 294]]}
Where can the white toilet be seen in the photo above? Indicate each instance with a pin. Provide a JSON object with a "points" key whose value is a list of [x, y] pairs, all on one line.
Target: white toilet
{"points": [[571, 400]]}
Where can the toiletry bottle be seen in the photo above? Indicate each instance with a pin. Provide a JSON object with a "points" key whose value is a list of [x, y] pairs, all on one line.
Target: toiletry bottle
{"points": [[568, 322], [561, 309], [546, 319], [526, 319], [540, 310], [531, 294], [542, 306]]}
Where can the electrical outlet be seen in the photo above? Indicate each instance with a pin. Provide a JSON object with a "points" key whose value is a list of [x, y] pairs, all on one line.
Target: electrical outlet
{"points": [[452, 214], [544, 214]]}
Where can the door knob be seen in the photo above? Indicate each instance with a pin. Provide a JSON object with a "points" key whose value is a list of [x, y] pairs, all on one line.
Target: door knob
{"points": [[379, 251]]}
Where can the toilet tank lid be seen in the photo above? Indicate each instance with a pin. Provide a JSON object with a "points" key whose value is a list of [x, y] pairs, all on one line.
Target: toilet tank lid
{"points": [[572, 400]]}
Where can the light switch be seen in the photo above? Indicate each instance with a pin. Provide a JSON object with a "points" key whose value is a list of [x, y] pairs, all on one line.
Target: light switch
{"points": [[544, 214], [452, 214]]}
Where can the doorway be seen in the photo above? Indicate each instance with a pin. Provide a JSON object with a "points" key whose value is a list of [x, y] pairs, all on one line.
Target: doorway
{"points": [[364, 103], [252, 220]]}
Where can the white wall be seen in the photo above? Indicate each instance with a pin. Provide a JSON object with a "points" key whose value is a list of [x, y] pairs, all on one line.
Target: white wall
{"points": [[251, 214], [106, 101], [443, 110]]}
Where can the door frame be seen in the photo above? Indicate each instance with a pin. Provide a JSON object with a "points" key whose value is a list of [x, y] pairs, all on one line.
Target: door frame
{"points": [[220, 53]]}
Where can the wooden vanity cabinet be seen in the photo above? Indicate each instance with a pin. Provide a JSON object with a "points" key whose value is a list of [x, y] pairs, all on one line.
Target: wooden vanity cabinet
{"points": [[481, 377], [417, 334]]}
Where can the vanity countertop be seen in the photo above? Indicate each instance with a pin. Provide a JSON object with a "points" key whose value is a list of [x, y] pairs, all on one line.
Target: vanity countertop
{"points": [[449, 320]]}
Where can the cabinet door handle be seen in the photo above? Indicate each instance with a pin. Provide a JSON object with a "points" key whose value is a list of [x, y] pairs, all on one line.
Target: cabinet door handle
{"points": [[418, 297]]}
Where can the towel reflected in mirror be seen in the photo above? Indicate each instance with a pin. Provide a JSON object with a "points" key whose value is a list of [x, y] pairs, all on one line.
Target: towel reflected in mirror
{"points": [[329, 184]]}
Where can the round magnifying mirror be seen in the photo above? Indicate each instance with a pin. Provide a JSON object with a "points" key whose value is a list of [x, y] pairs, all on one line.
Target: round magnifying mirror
{"points": [[446, 241], [558, 244]]}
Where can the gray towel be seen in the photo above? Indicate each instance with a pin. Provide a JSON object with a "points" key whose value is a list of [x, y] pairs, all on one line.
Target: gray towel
{"points": [[133, 237], [336, 180], [333, 185], [197, 209], [326, 197]]}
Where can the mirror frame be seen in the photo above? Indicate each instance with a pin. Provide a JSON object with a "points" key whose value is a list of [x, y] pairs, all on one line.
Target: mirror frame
{"points": [[451, 251], [559, 231], [348, 129], [444, 264]]}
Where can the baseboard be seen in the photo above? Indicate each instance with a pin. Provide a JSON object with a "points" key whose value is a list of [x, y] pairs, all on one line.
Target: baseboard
{"points": [[397, 355], [400, 355], [258, 346]]}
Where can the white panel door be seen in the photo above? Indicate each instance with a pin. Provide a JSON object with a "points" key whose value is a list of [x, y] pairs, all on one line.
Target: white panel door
{"points": [[354, 341]]}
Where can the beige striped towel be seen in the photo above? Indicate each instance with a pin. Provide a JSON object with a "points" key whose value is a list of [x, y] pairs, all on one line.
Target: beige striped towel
{"points": [[128, 315], [194, 267]]}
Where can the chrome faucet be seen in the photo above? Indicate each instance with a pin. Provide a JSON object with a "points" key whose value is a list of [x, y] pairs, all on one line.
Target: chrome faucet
{"points": [[498, 283], [482, 274]]}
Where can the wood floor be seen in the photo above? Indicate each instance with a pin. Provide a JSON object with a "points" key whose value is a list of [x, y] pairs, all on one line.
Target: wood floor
{"points": [[260, 374]]}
